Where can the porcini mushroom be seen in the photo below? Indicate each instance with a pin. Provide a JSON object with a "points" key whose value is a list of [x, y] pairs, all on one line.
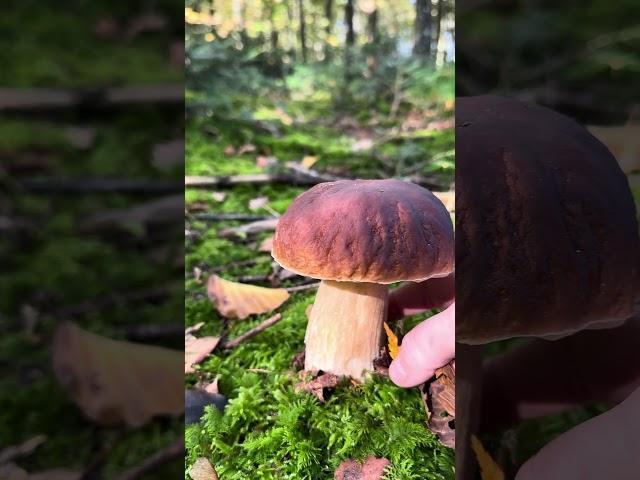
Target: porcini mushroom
{"points": [[547, 239], [357, 236]]}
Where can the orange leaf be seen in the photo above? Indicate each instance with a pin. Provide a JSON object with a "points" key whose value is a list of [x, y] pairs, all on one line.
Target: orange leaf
{"points": [[115, 382], [489, 469], [394, 349], [238, 300]]}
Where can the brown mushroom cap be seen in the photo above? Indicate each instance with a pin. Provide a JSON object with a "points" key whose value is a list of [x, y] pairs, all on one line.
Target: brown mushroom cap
{"points": [[380, 231], [546, 235]]}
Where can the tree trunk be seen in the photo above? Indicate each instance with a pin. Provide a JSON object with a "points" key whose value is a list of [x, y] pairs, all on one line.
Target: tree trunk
{"points": [[422, 45], [372, 26], [348, 20], [438, 29], [328, 13], [303, 35]]}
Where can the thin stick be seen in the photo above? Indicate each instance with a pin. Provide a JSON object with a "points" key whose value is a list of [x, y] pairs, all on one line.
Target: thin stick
{"points": [[100, 185], [56, 99], [166, 455], [302, 288], [253, 332], [215, 217]]}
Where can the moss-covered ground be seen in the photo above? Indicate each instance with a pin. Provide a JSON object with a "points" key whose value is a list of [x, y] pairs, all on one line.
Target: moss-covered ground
{"points": [[268, 430], [48, 266]]}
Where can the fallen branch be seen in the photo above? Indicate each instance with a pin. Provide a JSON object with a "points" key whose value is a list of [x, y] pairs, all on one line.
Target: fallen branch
{"points": [[249, 229], [55, 99], [253, 332], [166, 455], [152, 332], [215, 217], [99, 185]]}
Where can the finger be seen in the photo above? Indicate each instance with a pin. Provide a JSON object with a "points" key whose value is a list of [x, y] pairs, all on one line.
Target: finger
{"points": [[603, 447], [413, 298], [543, 377], [428, 346]]}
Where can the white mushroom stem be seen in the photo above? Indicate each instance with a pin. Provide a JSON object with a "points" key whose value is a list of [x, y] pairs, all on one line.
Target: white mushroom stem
{"points": [[345, 327]]}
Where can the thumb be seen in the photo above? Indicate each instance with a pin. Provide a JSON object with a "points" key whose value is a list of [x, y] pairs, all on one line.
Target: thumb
{"points": [[428, 346], [601, 447]]}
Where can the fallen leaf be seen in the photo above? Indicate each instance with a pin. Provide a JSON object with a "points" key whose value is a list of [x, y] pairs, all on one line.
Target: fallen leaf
{"points": [[266, 245], [448, 199], [197, 206], [623, 142], [258, 203], [489, 469], [372, 469], [25, 448], [392, 340], [238, 300], [246, 148], [317, 386], [438, 396], [309, 161], [115, 382], [203, 470], [193, 328], [218, 196], [229, 150], [196, 350], [263, 161]]}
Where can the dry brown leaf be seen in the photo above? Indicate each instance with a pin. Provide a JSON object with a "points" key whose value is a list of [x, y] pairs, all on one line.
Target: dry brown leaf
{"points": [[193, 328], [218, 196], [203, 470], [246, 148], [317, 386], [258, 203], [263, 161], [197, 206], [196, 350], [623, 142], [266, 245], [238, 300], [25, 448], [489, 469], [309, 161], [115, 382], [229, 150], [438, 396], [372, 469], [448, 199], [392, 339]]}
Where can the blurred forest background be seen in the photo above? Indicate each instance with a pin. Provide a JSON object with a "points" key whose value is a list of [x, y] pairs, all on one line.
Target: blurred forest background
{"points": [[281, 95]]}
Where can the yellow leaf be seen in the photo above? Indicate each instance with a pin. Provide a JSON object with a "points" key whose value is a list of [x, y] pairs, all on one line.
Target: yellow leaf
{"points": [[394, 349], [115, 382], [489, 469], [309, 161], [238, 300]]}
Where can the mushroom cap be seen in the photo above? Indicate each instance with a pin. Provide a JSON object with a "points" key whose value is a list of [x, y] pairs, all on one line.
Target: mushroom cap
{"points": [[546, 235], [379, 231]]}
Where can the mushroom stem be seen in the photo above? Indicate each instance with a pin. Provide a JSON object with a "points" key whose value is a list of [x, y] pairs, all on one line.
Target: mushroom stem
{"points": [[345, 325]]}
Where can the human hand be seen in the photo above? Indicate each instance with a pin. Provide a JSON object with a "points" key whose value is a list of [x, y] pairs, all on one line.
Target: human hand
{"points": [[431, 344], [540, 378]]}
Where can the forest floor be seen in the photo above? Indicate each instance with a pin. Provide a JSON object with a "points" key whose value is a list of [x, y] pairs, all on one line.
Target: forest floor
{"points": [[268, 429]]}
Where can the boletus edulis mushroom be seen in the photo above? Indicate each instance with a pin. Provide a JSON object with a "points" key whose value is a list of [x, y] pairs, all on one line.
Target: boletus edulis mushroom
{"points": [[358, 236], [546, 233]]}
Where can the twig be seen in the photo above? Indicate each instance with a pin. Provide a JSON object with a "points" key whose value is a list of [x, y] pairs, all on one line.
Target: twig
{"points": [[39, 99], [172, 452], [229, 266], [215, 217], [249, 228], [152, 332], [100, 185], [302, 288], [253, 332]]}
